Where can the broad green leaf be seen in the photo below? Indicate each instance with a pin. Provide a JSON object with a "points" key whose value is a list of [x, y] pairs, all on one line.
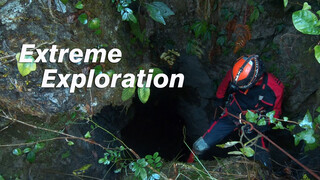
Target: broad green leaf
{"points": [[200, 28], [278, 125], [17, 152], [235, 152], [247, 151], [26, 68], [64, 1], [156, 15], [318, 109], [142, 162], [65, 155], [306, 6], [317, 55], [150, 161], [94, 23], [117, 170], [158, 11], [148, 157], [157, 159], [163, 8], [97, 69], [70, 143], [312, 146], [73, 115], [261, 9], [26, 150], [255, 15], [132, 18], [110, 72], [1, 177], [87, 135], [39, 146], [155, 155], [83, 18], [137, 172], [270, 115], [306, 135], [156, 71], [318, 12], [31, 156], [305, 177], [159, 164], [155, 176], [81, 170], [251, 116], [101, 160], [317, 119], [228, 144], [106, 162], [285, 3], [144, 93], [291, 127], [127, 93], [307, 121], [305, 21], [262, 122], [79, 5], [125, 16], [143, 174]]}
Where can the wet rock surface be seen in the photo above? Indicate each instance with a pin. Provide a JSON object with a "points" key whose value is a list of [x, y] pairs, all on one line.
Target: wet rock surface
{"points": [[43, 24]]}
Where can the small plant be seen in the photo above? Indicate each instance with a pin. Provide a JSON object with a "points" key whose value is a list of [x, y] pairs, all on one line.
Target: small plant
{"points": [[158, 11], [26, 68], [83, 18], [79, 5], [256, 10], [139, 166], [194, 47], [304, 130], [126, 12], [30, 152], [202, 31]]}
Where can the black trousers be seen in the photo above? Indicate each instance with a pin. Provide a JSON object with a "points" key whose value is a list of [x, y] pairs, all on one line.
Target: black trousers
{"points": [[225, 125]]}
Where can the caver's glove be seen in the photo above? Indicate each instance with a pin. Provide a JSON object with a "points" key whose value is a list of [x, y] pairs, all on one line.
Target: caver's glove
{"points": [[200, 146]]}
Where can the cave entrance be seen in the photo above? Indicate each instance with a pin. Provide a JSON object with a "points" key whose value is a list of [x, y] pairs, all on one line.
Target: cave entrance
{"points": [[156, 125]]}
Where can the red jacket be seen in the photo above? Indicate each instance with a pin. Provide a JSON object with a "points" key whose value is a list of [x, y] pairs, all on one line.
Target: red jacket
{"points": [[266, 95]]}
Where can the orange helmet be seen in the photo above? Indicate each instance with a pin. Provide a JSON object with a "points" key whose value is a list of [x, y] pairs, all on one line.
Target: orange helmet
{"points": [[246, 71]]}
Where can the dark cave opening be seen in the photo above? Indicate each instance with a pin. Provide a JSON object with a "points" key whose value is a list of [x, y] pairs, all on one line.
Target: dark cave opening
{"points": [[156, 125]]}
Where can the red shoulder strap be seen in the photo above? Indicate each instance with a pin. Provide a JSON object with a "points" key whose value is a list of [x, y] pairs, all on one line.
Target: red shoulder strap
{"points": [[224, 85], [277, 87]]}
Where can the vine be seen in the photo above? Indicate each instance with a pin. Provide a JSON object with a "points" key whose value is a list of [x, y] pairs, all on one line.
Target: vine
{"points": [[306, 129]]}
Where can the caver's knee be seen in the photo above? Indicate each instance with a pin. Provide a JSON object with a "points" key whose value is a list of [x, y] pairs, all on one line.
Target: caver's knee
{"points": [[200, 146]]}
